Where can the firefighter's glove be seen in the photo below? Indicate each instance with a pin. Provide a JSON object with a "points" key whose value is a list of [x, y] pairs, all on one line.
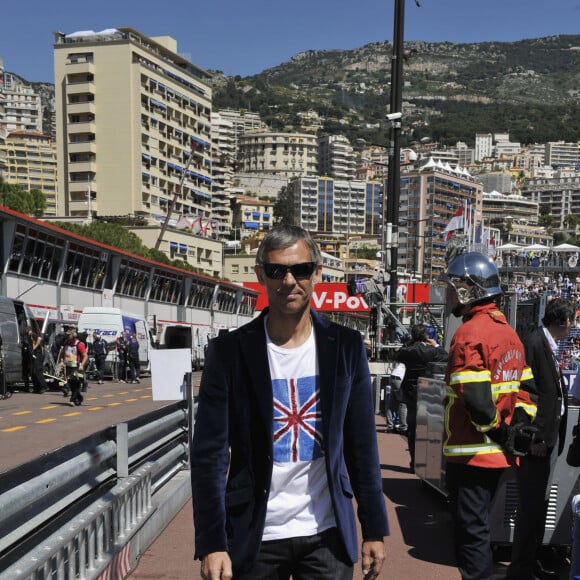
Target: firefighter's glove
{"points": [[515, 439]]}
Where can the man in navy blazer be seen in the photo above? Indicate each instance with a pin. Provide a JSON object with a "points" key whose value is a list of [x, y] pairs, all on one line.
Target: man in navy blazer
{"points": [[285, 436]]}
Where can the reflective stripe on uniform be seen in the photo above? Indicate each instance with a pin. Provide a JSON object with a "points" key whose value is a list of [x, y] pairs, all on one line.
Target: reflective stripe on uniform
{"points": [[470, 377], [530, 409], [473, 449]]}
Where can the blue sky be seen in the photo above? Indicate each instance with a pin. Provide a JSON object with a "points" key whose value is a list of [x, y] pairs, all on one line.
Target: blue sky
{"points": [[244, 38]]}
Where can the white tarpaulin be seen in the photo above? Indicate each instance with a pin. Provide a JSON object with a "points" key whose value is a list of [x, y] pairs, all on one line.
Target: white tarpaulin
{"points": [[565, 248], [536, 248]]}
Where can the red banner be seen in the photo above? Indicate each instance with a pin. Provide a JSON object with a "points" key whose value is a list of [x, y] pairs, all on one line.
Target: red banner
{"points": [[333, 296]]}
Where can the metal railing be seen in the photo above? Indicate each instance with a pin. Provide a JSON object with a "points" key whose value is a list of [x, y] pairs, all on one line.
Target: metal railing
{"points": [[66, 513]]}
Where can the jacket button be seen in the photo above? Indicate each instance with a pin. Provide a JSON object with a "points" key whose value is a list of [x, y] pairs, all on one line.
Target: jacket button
{"points": [[265, 491]]}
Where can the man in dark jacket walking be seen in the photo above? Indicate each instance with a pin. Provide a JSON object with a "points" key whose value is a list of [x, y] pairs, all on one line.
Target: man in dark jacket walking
{"points": [[133, 359], [100, 353], [416, 357]]}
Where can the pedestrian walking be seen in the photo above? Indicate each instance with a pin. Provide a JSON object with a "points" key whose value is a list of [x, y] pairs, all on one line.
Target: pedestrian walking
{"points": [[416, 357], [74, 358], [285, 436], [33, 355], [133, 358], [121, 346], [488, 406], [100, 354]]}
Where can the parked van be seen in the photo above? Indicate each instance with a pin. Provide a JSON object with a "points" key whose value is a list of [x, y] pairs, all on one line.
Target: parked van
{"points": [[15, 316], [110, 323]]}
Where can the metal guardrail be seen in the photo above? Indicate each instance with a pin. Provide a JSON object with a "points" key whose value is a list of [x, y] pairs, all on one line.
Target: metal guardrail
{"points": [[103, 483]]}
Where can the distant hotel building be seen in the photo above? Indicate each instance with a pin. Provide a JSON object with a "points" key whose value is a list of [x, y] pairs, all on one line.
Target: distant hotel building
{"points": [[286, 154]]}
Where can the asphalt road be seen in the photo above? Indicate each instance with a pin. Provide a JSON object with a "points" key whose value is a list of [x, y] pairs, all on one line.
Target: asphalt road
{"points": [[32, 424]]}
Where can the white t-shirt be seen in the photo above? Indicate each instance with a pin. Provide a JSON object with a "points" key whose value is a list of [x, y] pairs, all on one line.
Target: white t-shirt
{"points": [[299, 502]]}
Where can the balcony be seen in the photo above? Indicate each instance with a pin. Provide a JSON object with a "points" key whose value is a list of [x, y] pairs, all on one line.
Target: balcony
{"points": [[82, 147], [80, 67], [84, 127], [82, 166], [81, 108], [78, 87]]}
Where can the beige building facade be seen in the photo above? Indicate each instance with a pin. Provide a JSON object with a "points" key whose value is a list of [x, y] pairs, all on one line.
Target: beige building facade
{"points": [[133, 126], [287, 154]]}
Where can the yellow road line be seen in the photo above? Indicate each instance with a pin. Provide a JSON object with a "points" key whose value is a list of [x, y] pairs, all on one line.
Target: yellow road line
{"points": [[71, 414], [11, 429], [95, 408], [48, 407], [113, 404], [130, 400], [22, 413], [42, 421], [146, 396]]}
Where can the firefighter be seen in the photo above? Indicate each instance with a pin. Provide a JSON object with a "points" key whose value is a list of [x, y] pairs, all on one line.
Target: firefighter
{"points": [[489, 406]]}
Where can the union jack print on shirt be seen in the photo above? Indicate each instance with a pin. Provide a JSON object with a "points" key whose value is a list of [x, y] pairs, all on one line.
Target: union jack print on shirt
{"points": [[297, 420]]}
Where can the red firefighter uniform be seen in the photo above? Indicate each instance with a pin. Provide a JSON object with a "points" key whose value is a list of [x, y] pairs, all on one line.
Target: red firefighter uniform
{"points": [[487, 379]]}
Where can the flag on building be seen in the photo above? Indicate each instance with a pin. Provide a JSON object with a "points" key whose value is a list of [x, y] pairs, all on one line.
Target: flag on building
{"points": [[456, 223]]}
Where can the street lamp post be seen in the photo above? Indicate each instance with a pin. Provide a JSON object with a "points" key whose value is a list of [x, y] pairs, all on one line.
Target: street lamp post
{"points": [[394, 175]]}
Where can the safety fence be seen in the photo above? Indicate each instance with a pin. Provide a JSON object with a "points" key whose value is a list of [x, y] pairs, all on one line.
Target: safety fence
{"points": [[73, 512]]}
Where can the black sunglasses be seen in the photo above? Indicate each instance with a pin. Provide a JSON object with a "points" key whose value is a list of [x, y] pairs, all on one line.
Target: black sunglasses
{"points": [[300, 271]]}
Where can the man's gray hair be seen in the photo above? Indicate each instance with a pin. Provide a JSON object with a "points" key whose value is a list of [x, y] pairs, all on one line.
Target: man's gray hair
{"points": [[284, 236]]}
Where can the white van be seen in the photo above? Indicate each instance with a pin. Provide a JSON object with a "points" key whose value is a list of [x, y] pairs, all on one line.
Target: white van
{"points": [[110, 323]]}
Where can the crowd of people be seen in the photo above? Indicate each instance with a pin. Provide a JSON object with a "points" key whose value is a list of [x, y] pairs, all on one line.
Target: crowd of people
{"points": [[64, 362]]}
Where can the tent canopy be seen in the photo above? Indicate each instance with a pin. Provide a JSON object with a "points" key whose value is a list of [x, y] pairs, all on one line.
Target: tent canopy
{"points": [[510, 247], [536, 248], [566, 248]]}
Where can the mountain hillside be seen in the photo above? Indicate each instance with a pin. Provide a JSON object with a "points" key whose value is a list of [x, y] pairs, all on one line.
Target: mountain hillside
{"points": [[530, 88]]}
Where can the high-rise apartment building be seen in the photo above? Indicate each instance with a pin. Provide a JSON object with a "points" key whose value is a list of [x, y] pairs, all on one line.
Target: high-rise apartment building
{"points": [[483, 146], [20, 106], [287, 154], [429, 197], [347, 207], [558, 195], [243, 122], [31, 164], [336, 157], [560, 154], [133, 126]]}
